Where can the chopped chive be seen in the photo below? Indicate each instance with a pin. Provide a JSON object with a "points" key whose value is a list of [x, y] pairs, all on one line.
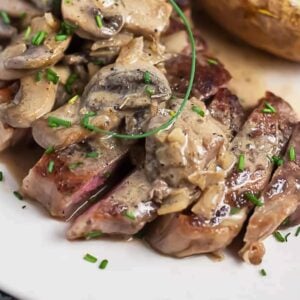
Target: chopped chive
{"points": [[93, 154], [277, 161], [263, 272], [286, 222], [90, 258], [5, 17], [1, 176], [39, 38], [234, 210], [50, 150], [172, 113], [57, 122], [67, 28], [252, 198], [69, 83], [292, 154], [75, 165], [73, 100], [18, 195], [93, 234], [130, 215], [198, 110], [24, 206], [50, 167], [99, 21], [241, 163], [279, 237], [286, 236], [147, 77], [38, 76], [27, 33], [85, 122], [150, 91], [103, 264], [212, 61], [52, 76], [297, 231], [60, 37], [269, 109]]}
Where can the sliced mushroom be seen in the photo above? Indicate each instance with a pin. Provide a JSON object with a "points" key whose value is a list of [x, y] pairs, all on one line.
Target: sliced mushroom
{"points": [[44, 55], [59, 136], [6, 31], [17, 8], [33, 100], [44, 5], [95, 19]]}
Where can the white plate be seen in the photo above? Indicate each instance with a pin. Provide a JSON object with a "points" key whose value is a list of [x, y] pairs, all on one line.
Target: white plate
{"points": [[38, 263]]}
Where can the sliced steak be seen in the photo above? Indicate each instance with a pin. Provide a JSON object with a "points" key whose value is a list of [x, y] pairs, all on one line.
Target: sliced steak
{"points": [[210, 75], [263, 135], [281, 198], [76, 173], [123, 212]]}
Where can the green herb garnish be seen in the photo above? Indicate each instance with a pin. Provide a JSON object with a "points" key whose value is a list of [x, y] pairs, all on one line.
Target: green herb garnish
{"points": [[103, 264], [234, 210], [27, 33], [67, 28], [39, 38], [18, 195], [147, 77], [1, 176], [198, 110], [69, 83], [241, 163], [99, 21], [5, 17], [297, 231], [93, 154], [212, 61], [130, 215], [263, 272], [277, 161], [50, 167], [149, 90], [50, 150], [269, 109], [93, 234], [292, 154], [279, 237], [252, 198], [60, 37], [52, 76], [74, 166], [73, 100], [38, 76], [90, 258], [286, 236], [57, 122]]}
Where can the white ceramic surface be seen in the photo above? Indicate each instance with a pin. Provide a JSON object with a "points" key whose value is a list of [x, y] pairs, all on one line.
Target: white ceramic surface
{"points": [[38, 263]]}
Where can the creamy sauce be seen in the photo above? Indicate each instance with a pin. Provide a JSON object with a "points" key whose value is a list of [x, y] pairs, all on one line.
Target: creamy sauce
{"points": [[253, 71], [20, 159]]}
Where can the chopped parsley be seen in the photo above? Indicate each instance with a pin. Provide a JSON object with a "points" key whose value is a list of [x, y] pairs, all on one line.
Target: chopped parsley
{"points": [[147, 77], [263, 272], [38, 76], [52, 76], [277, 161]]}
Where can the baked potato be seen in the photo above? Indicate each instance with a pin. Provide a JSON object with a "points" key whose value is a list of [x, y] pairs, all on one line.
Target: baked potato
{"points": [[271, 25]]}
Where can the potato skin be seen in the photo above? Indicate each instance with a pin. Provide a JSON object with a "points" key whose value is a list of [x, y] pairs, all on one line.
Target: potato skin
{"points": [[271, 25]]}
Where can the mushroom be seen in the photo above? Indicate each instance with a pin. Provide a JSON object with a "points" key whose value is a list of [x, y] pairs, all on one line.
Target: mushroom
{"points": [[16, 8], [33, 100], [104, 19], [44, 5], [6, 30], [44, 54], [94, 19]]}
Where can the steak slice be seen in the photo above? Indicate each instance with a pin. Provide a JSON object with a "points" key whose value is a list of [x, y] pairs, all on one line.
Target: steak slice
{"points": [[281, 198], [263, 135], [124, 211], [78, 171]]}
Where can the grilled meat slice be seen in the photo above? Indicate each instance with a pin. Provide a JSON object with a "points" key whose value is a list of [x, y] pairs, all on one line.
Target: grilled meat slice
{"points": [[123, 212], [210, 75], [281, 198], [61, 181], [263, 135]]}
